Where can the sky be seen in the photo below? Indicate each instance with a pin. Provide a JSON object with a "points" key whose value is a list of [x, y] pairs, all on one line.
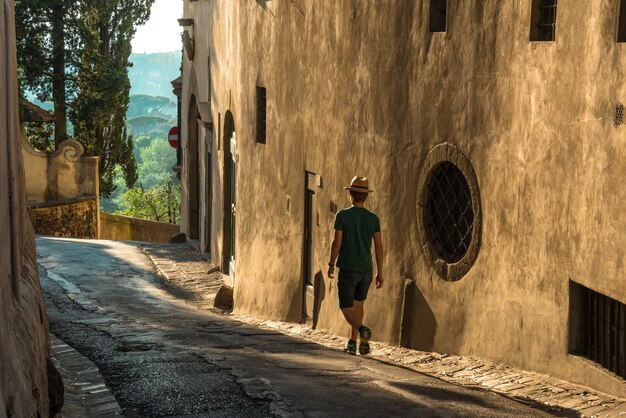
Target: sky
{"points": [[161, 32]]}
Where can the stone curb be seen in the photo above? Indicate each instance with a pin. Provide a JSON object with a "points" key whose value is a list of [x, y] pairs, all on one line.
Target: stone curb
{"points": [[552, 394], [86, 393]]}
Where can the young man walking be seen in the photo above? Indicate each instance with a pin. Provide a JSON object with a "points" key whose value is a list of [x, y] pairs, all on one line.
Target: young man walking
{"points": [[355, 227]]}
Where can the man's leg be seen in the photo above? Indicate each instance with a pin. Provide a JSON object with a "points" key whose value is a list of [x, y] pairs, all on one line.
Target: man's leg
{"points": [[358, 311], [352, 317]]}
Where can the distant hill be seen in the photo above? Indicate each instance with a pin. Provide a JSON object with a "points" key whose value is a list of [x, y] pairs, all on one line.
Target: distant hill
{"points": [[144, 105], [151, 74], [151, 126]]}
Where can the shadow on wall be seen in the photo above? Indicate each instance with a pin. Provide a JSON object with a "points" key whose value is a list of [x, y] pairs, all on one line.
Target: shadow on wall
{"points": [[418, 325], [319, 287]]}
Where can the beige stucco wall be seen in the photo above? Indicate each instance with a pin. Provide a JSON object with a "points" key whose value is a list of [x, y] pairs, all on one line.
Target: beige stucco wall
{"points": [[364, 88], [64, 174], [123, 228], [23, 318]]}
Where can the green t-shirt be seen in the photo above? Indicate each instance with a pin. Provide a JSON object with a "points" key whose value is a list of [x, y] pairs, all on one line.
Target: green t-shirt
{"points": [[358, 226]]}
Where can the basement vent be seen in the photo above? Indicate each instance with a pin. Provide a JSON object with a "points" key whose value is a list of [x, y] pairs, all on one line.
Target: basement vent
{"points": [[619, 114], [597, 328]]}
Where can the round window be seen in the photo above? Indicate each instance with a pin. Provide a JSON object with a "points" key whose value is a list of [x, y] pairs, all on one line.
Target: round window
{"points": [[449, 212]]}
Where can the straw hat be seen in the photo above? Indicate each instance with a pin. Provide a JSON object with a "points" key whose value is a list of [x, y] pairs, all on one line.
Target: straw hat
{"points": [[359, 184]]}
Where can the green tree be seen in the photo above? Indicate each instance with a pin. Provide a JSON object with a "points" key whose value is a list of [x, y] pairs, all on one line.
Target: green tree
{"points": [[160, 203], [47, 41], [157, 160], [39, 134], [99, 114]]}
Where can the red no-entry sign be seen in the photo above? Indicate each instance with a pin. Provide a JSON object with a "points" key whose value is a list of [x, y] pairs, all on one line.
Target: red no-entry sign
{"points": [[172, 137]]}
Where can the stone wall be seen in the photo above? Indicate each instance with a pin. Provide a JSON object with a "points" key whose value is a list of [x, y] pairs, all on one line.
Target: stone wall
{"points": [[125, 228], [74, 218], [62, 189], [24, 331], [365, 88]]}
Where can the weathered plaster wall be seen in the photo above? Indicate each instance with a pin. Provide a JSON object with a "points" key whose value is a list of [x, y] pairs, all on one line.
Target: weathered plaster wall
{"points": [[75, 218], [23, 319], [124, 228], [62, 189], [64, 174], [364, 88]]}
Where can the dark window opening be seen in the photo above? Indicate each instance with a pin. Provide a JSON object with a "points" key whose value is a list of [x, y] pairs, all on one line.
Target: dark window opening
{"points": [[437, 20], [597, 328], [543, 20], [449, 217], [621, 31], [261, 114], [619, 115]]}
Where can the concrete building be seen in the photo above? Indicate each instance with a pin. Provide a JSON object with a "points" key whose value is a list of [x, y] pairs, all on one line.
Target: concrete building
{"points": [[24, 337], [492, 135]]}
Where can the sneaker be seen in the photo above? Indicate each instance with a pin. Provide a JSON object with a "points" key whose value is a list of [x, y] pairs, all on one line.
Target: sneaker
{"points": [[364, 336], [351, 347]]}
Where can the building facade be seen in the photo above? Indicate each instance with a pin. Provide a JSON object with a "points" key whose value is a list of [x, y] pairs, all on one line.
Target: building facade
{"points": [[492, 136], [24, 341]]}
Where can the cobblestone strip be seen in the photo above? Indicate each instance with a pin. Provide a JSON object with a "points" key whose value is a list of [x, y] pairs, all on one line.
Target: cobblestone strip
{"points": [[86, 394], [185, 272], [555, 395]]}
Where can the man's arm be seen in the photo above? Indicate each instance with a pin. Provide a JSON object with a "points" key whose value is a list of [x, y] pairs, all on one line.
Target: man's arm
{"points": [[378, 248], [334, 252]]}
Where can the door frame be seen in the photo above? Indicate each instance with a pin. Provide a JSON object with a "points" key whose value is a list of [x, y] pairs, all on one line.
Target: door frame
{"points": [[309, 222], [228, 178]]}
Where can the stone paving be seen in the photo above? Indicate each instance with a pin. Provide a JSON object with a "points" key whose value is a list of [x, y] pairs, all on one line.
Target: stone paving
{"points": [[86, 394], [191, 277]]}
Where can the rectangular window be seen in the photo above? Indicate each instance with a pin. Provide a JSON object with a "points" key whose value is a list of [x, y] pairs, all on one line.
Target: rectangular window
{"points": [[437, 20], [597, 328], [261, 114], [543, 21], [621, 30]]}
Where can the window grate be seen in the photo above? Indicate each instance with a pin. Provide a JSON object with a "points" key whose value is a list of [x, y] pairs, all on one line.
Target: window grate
{"points": [[619, 115], [261, 114], [543, 20], [603, 330], [449, 217]]}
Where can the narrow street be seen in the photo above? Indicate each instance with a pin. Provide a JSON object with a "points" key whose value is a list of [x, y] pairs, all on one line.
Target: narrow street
{"points": [[163, 357]]}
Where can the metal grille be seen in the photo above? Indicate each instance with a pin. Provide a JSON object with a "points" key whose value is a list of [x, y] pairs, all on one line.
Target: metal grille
{"points": [[449, 218], [547, 20], [619, 114], [604, 338], [261, 114]]}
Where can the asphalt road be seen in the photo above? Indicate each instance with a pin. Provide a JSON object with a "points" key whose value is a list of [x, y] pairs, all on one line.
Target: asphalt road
{"points": [[163, 357]]}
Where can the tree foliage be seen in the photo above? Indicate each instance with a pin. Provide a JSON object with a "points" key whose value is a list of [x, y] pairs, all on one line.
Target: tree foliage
{"points": [[39, 134], [160, 203], [47, 42], [99, 115], [77, 54]]}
